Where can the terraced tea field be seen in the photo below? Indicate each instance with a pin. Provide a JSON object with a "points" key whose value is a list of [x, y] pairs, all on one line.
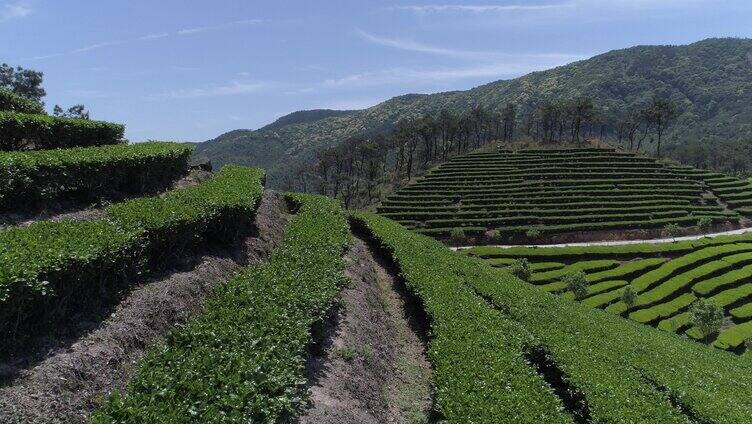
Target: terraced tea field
{"points": [[562, 191], [667, 279], [135, 288]]}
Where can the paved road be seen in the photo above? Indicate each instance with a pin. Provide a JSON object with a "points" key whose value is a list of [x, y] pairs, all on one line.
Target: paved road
{"points": [[621, 242]]}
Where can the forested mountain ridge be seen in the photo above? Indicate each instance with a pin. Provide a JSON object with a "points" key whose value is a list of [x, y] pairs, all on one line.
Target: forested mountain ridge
{"points": [[709, 81]]}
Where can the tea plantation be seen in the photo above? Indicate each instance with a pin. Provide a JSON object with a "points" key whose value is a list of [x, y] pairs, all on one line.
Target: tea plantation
{"points": [[500, 349], [667, 278], [563, 191]]}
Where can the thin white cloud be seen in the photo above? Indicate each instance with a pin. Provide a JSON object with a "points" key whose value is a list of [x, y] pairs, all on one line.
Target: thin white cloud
{"points": [[15, 10], [410, 45], [396, 76], [232, 88], [415, 46], [155, 36], [195, 30], [96, 46], [191, 30], [145, 38]]}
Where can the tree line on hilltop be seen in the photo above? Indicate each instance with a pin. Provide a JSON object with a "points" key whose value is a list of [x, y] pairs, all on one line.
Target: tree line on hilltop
{"points": [[362, 169]]}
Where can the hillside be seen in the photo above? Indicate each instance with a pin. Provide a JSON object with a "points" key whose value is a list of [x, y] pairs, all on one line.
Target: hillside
{"points": [[304, 117], [159, 295], [563, 195], [710, 81]]}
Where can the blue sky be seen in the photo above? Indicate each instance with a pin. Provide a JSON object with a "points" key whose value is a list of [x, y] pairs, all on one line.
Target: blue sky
{"points": [[191, 70]]}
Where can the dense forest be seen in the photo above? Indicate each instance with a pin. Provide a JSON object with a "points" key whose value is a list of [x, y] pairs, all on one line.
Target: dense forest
{"points": [[708, 83]]}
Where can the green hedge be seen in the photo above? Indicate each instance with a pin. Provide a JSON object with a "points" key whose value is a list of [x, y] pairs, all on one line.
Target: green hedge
{"points": [[626, 270], [12, 102], [37, 132], [598, 288], [49, 270], [676, 323], [586, 266], [663, 310], [476, 353], [742, 312], [734, 337], [242, 359], [41, 178], [733, 277], [625, 371], [680, 273]]}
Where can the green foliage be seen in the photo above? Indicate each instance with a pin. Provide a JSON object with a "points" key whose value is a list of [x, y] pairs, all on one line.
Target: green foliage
{"points": [[707, 316], [624, 371], [249, 344], [629, 297], [39, 178], [521, 269], [34, 131], [576, 283], [735, 336], [671, 229], [595, 266], [24, 82], [11, 102], [49, 270], [494, 236], [552, 191], [457, 235], [476, 354], [704, 223], [703, 78]]}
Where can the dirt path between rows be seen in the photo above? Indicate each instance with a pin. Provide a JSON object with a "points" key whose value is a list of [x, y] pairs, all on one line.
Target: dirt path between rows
{"points": [[69, 383], [371, 366]]}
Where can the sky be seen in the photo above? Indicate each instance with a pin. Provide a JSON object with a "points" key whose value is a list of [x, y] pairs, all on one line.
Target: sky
{"points": [[192, 70]]}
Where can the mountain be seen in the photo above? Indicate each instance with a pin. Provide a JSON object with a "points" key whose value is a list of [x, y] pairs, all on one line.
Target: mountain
{"points": [[304, 117], [710, 81]]}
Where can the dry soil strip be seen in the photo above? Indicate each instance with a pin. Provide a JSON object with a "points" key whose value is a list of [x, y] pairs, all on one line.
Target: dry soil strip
{"points": [[67, 385], [371, 366]]}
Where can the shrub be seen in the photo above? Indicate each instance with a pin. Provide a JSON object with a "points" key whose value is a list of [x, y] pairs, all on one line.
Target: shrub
{"points": [[242, 359], [533, 233], [30, 131], [521, 269], [576, 282], [494, 236], [671, 229], [704, 223], [457, 235], [12, 102], [53, 268], [585, 344], [39, 178], [707, 316], [628, 296]]}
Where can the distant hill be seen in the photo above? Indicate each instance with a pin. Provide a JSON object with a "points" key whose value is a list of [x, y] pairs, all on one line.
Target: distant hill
{"points": [[710, 81]]}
